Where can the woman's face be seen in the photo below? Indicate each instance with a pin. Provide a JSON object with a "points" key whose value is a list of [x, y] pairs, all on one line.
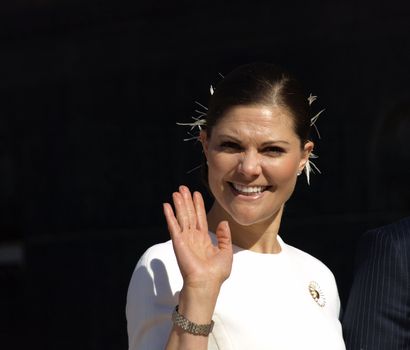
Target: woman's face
{"points": [[253, 157]]}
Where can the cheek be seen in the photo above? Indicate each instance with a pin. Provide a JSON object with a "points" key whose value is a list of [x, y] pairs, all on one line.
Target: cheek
{"points": [[220, 167], [283, 170], [220, 164]]}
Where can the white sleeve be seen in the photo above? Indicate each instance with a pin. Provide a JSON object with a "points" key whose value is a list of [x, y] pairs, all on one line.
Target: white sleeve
{"points": [[150, 302]]}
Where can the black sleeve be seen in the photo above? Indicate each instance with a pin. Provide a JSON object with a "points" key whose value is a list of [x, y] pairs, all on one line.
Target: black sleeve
{"points": [[377, 314]]}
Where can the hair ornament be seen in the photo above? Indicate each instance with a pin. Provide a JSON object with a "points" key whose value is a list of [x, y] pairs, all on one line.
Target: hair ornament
{"points": [[313, 120], [211, 88], [199, 122], [193, 169], [200, 118], [311, 99], [310, 167], [201, 105]]}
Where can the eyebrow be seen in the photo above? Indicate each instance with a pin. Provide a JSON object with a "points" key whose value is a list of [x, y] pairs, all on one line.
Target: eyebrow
{"points": [[266, 143]]}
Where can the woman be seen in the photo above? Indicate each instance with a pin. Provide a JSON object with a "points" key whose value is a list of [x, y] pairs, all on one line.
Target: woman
{"points": [[236, 283]]}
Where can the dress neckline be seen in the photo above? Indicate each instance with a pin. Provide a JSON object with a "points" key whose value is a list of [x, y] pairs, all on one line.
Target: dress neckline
{"points": [[239, 250]]}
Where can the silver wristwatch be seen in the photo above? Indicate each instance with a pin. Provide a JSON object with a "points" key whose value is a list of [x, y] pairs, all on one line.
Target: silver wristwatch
{"points": [[191, 327]]}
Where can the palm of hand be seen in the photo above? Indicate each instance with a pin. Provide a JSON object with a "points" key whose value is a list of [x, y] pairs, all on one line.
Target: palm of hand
{"points": [[201, 263]]}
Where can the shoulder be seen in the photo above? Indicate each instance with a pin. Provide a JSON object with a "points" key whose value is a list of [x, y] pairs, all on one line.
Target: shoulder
{"points": [[152, 293], [396, 231], [382, 240], [159, 262], [313, 269], [156, 267], [313, 272], [158, 252], [156, 278], [385, 243], [308, 262]]}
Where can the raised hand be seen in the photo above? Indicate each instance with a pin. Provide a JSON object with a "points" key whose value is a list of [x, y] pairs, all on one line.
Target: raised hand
{"points": [[202, 264]]}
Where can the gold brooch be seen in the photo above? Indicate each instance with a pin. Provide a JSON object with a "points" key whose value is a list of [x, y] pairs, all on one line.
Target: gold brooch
{"points": [[317, 294]]}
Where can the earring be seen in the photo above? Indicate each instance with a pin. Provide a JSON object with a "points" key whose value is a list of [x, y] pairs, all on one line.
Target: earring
{"points": [[298, 173]]}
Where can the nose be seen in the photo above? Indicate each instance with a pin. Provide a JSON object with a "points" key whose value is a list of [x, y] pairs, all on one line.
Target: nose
{"points": [[249, 164]]}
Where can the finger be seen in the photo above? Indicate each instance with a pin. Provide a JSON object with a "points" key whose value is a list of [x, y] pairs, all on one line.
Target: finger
{"points": [[181, 211], [173, 226], [189, 205], [223, 234], [199, 204]]}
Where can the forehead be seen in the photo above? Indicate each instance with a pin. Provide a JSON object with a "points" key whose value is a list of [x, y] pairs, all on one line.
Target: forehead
{"points": [[256, 120]]}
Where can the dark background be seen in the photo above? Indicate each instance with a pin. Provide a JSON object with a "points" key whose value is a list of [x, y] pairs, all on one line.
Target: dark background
{"points": [[89, 95]]}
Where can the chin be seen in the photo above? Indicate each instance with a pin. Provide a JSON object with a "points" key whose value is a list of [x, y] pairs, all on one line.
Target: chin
{"points": [[247, 219]]}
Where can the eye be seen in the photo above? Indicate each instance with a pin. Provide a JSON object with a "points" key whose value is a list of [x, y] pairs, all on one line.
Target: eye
{"points": [[230, 146], [274, 150]]}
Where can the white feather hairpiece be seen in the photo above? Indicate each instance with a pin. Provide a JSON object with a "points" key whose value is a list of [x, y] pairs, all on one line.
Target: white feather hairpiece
{"points": [[311, 99], [310, 167], [199, 122], [200, 118]]}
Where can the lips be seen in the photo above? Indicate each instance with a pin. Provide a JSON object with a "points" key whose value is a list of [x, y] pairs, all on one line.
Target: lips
{"points": [[248, 190]]}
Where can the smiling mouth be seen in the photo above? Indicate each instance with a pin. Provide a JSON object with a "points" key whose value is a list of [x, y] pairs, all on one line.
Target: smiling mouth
{"points": [[247, 190]]}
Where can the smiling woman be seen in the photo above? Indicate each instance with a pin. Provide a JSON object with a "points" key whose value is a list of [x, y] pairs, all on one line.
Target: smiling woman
{"points": [[255, 156], [226, 279]]}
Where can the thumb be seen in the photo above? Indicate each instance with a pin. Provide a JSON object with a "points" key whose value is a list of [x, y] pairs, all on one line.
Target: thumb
{"points": [[223, 234]]}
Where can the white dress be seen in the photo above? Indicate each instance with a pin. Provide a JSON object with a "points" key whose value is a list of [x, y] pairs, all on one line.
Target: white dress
{"points": [[266, 303]]}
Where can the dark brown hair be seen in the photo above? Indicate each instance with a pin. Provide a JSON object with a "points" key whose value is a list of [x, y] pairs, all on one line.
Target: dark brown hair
{"points": [[261, 84]]}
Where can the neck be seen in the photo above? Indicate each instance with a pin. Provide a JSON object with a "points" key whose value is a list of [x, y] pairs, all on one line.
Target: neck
{"points": [[260, 237]]}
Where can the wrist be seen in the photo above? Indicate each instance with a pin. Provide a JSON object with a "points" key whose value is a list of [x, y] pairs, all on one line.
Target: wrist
{"points": [[198, 305], [190, 327]]}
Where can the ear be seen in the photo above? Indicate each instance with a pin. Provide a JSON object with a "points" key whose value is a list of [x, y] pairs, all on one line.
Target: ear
{"points": [[307, 150], [203, 137]]}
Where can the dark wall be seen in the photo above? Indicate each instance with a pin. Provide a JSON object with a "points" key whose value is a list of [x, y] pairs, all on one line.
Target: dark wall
{"points": [[90, 93]]}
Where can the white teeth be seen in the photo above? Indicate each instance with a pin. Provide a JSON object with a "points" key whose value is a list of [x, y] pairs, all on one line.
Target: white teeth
{"points": [[249, 189]]}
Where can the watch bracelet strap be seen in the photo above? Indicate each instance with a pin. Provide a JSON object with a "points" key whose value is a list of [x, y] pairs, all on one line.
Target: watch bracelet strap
{"points": [[191, 327]]}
